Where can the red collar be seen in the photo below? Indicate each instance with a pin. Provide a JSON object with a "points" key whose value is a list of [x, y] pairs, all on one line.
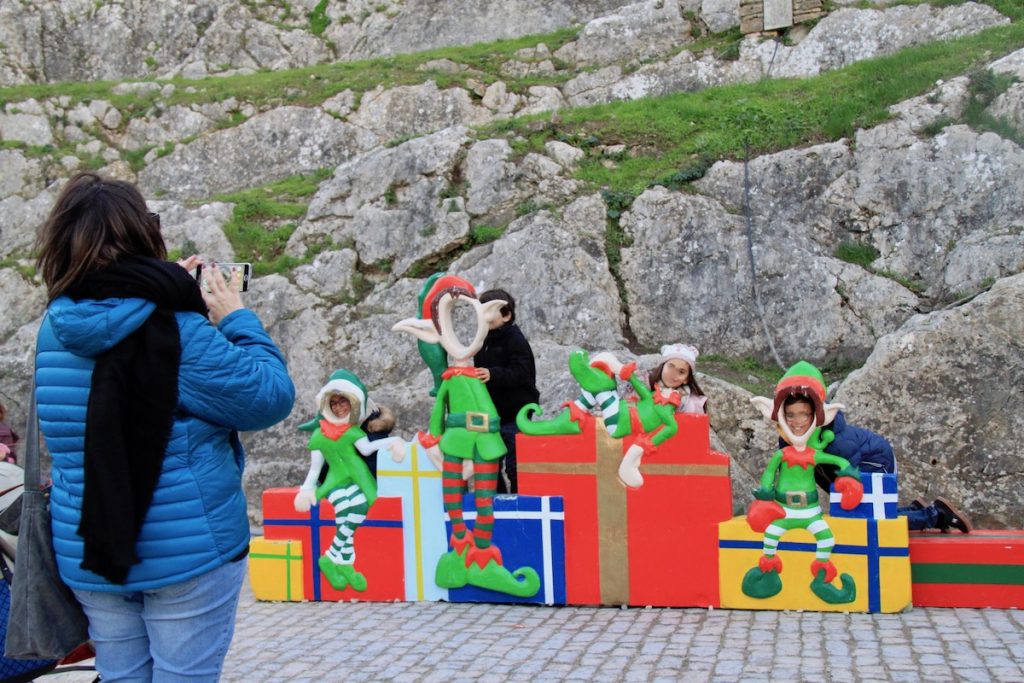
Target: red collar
{"points": [[794, 458], [673, 399], [333, 431], [459, 371]]}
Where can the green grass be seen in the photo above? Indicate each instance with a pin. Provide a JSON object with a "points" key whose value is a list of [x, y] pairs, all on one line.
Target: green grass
{"points": [[668, 134], [264, 219], [856, 253], [318, 19], [312, 85]]}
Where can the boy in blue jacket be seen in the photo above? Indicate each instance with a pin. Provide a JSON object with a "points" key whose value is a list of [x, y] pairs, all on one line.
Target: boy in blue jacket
{"points": [[869, 452]]}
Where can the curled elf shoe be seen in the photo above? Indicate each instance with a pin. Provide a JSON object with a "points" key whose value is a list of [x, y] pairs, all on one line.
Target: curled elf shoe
{"points": [[949, 517], [629, 468]]}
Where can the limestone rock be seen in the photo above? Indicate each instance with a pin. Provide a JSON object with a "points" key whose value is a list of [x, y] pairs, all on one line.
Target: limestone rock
{"points": [[491, 177], [21, 301], [415, 110], [282, 142], [388, 203], [330, 274], [583, 309], [841, 309], [720, 15], [850, 35], [30, 129], [19, 219], [564, 154], [953, 420], [636, 32], [201, 227], [177, 123], [920, 197]]}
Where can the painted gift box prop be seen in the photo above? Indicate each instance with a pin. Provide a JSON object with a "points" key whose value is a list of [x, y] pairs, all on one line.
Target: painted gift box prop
{"points": [[873, 552], [980, 569], [275, 570], [531, 531], [656, 545], [879, 501], [378, 545], [417, 483]]}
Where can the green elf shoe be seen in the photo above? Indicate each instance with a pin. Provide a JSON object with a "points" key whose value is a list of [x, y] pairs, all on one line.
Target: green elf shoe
{"points": [[832, 595], [760, 584], [338, 579], [522, 583], [563, 424], [590, 379], [451, 569]]}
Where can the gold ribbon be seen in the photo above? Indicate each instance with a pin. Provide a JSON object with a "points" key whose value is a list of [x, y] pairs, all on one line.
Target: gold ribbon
{"points": [[612, 529], [612, 518]]}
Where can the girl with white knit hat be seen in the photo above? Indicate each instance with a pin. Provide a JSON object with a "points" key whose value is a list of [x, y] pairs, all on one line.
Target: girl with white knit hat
{"points": [[674, 379]]}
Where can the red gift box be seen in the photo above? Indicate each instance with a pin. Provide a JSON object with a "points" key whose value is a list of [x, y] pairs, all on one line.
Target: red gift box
{"points": [[656, 545], [979, 569], [378, 545]]}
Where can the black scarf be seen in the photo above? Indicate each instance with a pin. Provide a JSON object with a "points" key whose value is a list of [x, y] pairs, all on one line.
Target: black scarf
{"points": [[132, 402]]}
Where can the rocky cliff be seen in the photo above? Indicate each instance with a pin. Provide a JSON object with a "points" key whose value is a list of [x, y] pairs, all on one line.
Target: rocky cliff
{"points": [[416, 172]]}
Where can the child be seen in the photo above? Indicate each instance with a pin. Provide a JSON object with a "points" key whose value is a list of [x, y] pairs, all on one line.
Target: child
{"points": [[674, 379], [868, 452], [505, 363], [337, 440], [8, 437]]}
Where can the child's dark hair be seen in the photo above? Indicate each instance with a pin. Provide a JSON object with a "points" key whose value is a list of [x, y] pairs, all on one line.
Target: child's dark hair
{"points": [[798, 398], [508, 309], [691, 381]]}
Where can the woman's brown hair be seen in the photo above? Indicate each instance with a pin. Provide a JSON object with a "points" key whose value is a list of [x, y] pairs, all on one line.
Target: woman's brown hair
{"points": [[94, 222]]}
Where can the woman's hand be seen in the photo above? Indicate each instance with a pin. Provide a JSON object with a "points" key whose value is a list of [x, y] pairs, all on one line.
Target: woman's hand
{"points": [[190, 263], [221, 299]]}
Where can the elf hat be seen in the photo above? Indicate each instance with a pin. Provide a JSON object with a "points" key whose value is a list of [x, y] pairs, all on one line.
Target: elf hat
{"points": [[803, 379], [348, 385], [686, 352]]}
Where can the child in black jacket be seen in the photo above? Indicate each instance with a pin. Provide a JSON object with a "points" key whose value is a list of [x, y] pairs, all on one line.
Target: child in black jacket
{"points": [[505, 364]]}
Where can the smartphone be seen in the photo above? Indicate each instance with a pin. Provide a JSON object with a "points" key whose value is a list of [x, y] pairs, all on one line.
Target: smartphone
{"points": [[235, 275]]}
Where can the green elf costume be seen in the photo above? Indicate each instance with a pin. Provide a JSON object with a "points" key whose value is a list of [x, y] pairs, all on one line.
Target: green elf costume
{"points": [[348, 485], [788, 498], [597, 377], [464, 434]]}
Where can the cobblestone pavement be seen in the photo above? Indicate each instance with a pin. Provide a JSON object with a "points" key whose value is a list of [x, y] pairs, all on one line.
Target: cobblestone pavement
{"points": [[352, 642]]}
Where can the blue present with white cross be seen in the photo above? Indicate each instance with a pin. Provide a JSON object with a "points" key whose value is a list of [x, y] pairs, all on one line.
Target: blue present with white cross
{"points": [[879, 502], [530, 531]]}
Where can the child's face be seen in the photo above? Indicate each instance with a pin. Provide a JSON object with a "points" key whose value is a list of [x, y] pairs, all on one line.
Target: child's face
{"points": [[799, 417], [340, 406], [675, 373]]}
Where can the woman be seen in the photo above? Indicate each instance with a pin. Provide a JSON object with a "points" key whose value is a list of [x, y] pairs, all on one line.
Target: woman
{"points": [[142, 383]]}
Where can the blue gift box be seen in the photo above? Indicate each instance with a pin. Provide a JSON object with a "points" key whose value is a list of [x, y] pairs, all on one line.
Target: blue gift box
{"points": [[530, 531], [879, 502]]}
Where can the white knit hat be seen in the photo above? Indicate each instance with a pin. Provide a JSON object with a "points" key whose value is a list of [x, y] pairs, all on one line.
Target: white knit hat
{"points": [[685, 352]]}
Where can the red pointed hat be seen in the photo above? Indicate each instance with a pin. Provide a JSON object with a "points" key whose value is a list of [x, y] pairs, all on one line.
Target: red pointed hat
{"points": [[803, 379], [445, 283]]}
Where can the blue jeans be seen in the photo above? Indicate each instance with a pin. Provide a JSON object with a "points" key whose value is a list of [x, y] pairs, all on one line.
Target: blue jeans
{"points": [[918, 519], [179, 632]]}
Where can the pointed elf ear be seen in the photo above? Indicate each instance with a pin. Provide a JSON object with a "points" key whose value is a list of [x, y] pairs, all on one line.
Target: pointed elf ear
{"points": [[831, 410], [765, 405], [421, 328], [492, 310]]}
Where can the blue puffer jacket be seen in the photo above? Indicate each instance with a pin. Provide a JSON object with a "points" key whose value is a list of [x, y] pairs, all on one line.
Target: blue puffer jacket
{"points": [[865, 450], [231, 378]]}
